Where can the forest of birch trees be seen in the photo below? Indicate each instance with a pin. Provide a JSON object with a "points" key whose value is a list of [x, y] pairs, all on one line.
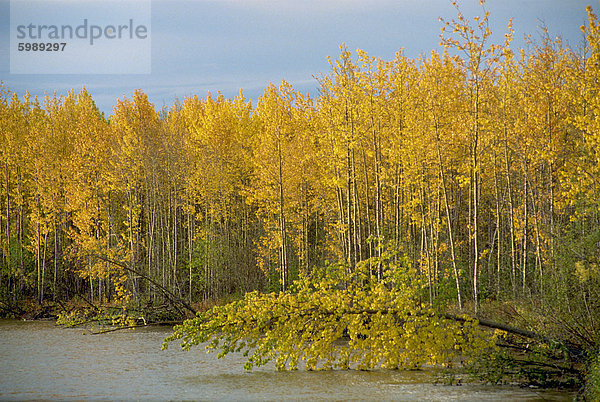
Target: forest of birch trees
{"points": [[480, 163]]}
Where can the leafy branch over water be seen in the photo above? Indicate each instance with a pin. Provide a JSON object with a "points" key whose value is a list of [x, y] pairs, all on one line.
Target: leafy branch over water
{"points": [[334, 319]]}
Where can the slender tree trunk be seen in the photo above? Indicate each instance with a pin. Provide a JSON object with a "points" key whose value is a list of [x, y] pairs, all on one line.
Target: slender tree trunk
{"points": [[422, 240], [190, 244], [435, 241], [21, 222], [39, 264], [341, 217], [448, 220], [367, 209], [44, 262], [349, 231], [175, 244], [536, 227], [131, 229], [305, 227], [396, 206], [282, 222], [551, 190], [109, 227], [55, 260], [8, 239], [207, 278], [4, 260], [378, 202], [525, 232], [475, 177], [357, 224], [498, 225], [511, 210]]}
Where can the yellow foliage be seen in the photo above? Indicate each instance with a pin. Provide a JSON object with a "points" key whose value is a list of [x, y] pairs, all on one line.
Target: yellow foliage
{"points": [[383, 322]]}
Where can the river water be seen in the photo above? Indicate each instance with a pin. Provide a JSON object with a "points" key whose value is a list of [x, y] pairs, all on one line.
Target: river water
{"points": [[39, 360]]}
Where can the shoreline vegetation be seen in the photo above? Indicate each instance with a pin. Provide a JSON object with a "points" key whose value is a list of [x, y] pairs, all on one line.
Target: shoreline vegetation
{"points": [[430, 210]]}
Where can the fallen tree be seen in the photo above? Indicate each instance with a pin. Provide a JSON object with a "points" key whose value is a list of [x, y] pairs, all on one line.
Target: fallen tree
{"points": [[384, 323], [358, 322]]}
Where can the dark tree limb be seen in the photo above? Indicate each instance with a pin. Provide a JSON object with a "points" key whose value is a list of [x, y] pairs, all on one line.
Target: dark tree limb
{"points": [[89, 303], [9, 309], [503, 327], [174, 299], [105, 331], [575, 351]]}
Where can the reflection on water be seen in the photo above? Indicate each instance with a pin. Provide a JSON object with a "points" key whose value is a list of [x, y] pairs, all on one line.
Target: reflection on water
{"points": [[41, 361]]}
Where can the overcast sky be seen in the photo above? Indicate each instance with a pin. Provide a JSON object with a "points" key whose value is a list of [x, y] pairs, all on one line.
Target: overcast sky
{"points": [[224, 45]]}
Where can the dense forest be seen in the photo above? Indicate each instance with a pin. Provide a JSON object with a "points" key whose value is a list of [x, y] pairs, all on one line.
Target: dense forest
{"points": [[479, 165]]}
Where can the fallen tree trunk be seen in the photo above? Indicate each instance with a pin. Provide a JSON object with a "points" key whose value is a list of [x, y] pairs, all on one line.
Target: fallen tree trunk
{"points": [[503, 327], [575, 351]]}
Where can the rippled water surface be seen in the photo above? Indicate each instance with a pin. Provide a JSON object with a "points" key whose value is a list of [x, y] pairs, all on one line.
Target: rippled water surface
{"points": [[41, 361]]}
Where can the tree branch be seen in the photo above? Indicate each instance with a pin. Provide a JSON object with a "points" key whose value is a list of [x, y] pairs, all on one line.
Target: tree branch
{"points": [[170, 296]]}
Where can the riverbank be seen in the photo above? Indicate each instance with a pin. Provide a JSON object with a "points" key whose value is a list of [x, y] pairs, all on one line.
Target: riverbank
{"points": [[81, 309], [29, 310]]}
